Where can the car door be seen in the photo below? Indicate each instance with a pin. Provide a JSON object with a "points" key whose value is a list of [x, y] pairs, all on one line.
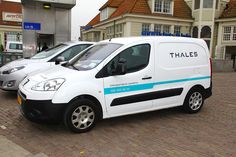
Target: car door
{"points": [[128, 93]]}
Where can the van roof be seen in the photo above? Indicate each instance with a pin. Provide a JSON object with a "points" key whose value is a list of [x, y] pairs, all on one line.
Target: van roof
{"points": [[129, 40], [78, 42]]}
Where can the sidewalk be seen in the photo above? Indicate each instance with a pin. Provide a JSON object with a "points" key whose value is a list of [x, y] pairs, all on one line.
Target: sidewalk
{"points": [[10, 149]]}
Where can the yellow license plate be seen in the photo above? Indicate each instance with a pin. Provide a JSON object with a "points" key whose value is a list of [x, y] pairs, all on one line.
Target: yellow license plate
{"points": [[19, 100]]}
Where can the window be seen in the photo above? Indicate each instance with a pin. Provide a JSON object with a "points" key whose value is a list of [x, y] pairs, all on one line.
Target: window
{"points": [[227, 33], [162, 28], [166, 29], [195, 32], [197, 4], [163, 6], [234, 33], [119, 30], [137, 58], [157, 28], [93, 56], [49, 52], [72, 52], [14, 46], [110, 32], [177, 29], [208, 4], [145, 27], [104, 14]]}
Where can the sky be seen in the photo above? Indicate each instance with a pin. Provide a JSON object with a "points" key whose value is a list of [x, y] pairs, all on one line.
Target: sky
{"points": [[82, 13]]}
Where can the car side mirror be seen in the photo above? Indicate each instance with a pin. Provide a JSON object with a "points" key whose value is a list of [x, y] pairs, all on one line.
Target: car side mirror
{"points": [[121, 68], [59, 60]]}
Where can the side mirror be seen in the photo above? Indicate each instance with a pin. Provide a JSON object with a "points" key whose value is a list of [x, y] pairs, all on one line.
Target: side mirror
{"points": [[59, 60], [121, 68]]}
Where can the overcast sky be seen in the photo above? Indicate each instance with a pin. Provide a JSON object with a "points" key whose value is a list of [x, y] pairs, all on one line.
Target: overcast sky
{"points": [[82, 13]]}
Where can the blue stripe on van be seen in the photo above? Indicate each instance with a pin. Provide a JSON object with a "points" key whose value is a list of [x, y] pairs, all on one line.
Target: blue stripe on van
{"points": [[138, 87]]}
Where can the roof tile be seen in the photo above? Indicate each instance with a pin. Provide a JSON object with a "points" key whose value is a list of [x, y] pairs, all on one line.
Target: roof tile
{"points": [[230, 10]]}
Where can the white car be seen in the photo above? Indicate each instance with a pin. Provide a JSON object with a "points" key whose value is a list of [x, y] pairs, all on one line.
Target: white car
{"points": [[14, 46], [14, 72], [119, 77]]}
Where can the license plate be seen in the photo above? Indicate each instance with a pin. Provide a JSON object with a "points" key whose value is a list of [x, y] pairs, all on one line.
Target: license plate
{"points": [[19, 100]]}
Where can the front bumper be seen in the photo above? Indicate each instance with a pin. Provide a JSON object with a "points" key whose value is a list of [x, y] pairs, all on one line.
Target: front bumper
{"points": [[14, 79], [41, 110]]}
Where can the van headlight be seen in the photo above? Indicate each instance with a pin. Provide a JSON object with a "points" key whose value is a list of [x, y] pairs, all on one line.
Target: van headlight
{"points": [[49, 85], [12, 70]]}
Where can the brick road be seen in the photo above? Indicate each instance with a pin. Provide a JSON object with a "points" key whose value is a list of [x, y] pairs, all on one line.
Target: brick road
{"points": [[165, 133]]}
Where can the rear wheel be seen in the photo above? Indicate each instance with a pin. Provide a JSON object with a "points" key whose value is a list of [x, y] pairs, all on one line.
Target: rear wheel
{"points": [[194, 101], [81, 116]]}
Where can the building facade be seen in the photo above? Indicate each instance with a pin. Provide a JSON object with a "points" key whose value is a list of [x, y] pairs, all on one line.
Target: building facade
{"points": [[10, 21], [212, 20]]}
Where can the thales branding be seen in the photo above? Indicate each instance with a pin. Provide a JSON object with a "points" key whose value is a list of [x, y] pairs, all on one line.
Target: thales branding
{"points": [[184, 55]]}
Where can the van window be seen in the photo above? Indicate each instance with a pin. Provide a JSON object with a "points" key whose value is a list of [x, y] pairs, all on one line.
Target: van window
{"points": [[93, 56], [15, 46], [137, 58]]}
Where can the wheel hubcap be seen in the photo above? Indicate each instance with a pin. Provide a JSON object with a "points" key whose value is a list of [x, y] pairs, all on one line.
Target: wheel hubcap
{"points": [[83, 117], [195, 101]]}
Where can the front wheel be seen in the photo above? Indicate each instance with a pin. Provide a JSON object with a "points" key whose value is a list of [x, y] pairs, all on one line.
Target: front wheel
{"points": [[81, 116], [194, 101]]}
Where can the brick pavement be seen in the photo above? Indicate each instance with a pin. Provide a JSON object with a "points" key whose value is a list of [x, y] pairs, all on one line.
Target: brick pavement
{"points": [[165, 133]]}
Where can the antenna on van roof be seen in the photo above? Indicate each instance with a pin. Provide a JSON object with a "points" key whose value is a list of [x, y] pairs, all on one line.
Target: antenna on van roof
{"points": [[110, 39]]}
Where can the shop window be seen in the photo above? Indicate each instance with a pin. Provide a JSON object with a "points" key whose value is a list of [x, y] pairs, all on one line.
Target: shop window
{"points": [[177, 29], [195, 32], [196, 4], [157, 28], [206, 32], [163, 6], [166, 29], [145, 27], [208, 4]]}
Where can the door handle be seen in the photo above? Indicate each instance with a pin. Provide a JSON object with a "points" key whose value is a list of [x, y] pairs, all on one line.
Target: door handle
{"points": [[147, 78]]}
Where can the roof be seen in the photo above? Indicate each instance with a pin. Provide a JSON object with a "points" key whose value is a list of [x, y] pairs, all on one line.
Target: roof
{"points": [[141, 7], [230, 10], [111, 3]]}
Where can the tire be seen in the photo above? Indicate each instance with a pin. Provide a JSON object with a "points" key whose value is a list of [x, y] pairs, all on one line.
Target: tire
{"points": [[194, 101], [81, 115]]}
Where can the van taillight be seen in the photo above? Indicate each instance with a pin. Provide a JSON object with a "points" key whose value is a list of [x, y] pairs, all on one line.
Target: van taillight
{"points": [[211, 67]]}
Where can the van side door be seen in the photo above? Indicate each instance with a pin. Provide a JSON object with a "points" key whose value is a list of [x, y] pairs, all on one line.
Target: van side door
{"points": [[129, 92]]}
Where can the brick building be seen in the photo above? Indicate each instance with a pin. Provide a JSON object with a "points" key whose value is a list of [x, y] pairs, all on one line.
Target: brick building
{"points": [[10, 21], [212, 20]]}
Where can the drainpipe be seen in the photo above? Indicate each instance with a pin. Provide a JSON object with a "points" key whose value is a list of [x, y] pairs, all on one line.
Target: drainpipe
{"points": [[114, 26]]}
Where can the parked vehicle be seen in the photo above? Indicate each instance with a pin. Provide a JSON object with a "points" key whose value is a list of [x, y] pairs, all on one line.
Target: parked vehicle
{"points": [[119, 77], [14, 72], [14, 46]]}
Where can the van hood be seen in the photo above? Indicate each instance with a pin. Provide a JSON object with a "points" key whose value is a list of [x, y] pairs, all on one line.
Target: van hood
{"points": [[51, 73]]}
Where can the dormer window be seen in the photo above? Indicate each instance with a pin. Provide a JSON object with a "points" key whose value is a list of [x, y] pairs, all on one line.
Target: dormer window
{"points": [[104, 14], [163, 6]]}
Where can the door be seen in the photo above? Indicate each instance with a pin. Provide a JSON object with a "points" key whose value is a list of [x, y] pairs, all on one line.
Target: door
{"points": [[128, 93]]}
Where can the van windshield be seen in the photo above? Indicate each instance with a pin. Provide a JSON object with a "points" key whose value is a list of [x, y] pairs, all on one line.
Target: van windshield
{"points": [[93, 56], [49, 52]]}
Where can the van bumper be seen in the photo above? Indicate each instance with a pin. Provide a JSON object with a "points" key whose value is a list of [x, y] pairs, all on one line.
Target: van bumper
{"points": [[208, 92], [41, 110]]}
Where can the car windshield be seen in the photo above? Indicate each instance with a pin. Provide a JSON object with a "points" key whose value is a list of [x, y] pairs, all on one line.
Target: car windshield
{"points": [[93, 56], [49, 52]]}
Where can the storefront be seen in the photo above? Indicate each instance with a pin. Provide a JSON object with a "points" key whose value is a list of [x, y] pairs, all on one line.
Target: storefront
{"points": [[45, 22], [10, 22]]}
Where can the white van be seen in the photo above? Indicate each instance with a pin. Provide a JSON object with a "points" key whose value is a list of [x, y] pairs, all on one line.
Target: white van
{"points": [[119, 77], [14, 46]]}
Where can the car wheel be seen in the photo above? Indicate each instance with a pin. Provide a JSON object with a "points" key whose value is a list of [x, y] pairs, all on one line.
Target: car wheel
{"points": [[194, 101], [81, 116]]}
